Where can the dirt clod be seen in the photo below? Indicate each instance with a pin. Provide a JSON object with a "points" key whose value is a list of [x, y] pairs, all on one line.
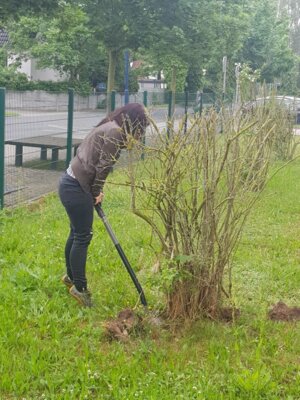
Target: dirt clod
{"points": [[282, 312], [129, 323], [120, 328], [228, 314]]}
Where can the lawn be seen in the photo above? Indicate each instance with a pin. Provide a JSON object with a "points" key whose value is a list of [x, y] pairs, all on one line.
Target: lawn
{"points": [[53, 349]]}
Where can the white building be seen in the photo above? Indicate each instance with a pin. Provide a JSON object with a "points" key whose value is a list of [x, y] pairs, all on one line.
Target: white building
{"points": [[150, 83], [29, 67]]}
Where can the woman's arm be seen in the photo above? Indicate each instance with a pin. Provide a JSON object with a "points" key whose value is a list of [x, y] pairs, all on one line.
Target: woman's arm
{"points": [[108, 151]]}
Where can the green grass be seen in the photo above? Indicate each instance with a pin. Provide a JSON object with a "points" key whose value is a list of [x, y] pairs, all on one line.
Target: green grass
{"points": [[52, 349], [11, 114], [44, 164]]}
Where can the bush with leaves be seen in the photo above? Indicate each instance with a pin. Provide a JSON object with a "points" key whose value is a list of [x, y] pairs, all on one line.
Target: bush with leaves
{"points": [[13, 80]]}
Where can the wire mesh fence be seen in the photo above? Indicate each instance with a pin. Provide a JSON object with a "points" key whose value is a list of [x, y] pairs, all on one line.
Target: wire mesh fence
{"points": [[38, 126], [31, 121], [36, 134]]}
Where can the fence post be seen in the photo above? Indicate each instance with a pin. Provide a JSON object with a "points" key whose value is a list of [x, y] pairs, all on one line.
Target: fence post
{"points": [[126, 76], [70, 125], [169, 113], [113, 100], [2, 139], [170, 105], [186, 104], [201, 103], [145, 98], [145, 102]]}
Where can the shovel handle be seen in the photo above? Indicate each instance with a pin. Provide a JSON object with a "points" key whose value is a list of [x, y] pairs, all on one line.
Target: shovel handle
{"points": [[122, 255]]}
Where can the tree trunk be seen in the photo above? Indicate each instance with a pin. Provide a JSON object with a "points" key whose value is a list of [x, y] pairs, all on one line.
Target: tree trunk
{"points": [[112, 62]]}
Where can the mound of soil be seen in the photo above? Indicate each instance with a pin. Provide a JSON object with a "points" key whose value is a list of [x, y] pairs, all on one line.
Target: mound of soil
{"points": [[282, 312], [228, 314], [129, 323], [120, 328]]}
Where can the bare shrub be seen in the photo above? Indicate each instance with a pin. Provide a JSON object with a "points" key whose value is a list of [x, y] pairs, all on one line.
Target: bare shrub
{"points": [[196, 190], [274, 111]]}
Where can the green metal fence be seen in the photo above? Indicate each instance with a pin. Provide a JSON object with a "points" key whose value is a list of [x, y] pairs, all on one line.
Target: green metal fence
{"points": [[40, 131], [2, 138]]}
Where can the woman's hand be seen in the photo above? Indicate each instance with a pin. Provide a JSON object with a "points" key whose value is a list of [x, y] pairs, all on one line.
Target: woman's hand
{"points": [[99, 198]]}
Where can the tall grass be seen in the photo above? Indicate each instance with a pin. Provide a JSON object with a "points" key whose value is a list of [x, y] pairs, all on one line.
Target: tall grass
{"points": [[52, 349]]}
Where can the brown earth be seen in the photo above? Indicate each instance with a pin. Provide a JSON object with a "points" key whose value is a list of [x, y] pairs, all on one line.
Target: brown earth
{"points": [[129, 323], [282, 312], [228, 314]]}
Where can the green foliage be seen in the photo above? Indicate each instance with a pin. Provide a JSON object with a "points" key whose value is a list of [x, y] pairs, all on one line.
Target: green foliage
{"points": [[176, 40], [229, 28], [248, 82], [3, 57], [267, 45], [119, 25], [86, 41], [58, 43], [16, 8], [82, 88], [132, 84], [13, 80]]}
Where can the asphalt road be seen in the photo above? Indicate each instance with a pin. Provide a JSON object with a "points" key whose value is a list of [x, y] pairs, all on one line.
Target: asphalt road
{"points": [[24, 124], [30, 124], [24, 184]]}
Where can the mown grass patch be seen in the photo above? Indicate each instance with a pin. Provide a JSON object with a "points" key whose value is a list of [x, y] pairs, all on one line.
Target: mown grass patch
{"points": [[11, 114], [52, 349], [44, 164]]}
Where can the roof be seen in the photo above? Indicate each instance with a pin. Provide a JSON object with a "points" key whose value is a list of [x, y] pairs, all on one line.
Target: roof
{"points": [[136, 64], [3, 37]]}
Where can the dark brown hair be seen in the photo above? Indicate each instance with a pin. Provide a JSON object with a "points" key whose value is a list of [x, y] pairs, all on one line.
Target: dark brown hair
{"points": [[131, 118]]}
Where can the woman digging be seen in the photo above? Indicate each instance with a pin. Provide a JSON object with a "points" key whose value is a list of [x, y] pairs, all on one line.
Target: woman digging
{"points": [[81, 187]]}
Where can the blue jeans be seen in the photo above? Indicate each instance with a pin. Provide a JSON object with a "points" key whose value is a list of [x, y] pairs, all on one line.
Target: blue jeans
{"points": [[80, 209]]}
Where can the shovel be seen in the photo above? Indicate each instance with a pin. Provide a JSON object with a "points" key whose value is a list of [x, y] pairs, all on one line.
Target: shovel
{"points": [[124, 259]]}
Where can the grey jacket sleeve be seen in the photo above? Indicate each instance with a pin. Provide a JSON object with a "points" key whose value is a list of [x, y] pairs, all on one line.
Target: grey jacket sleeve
{"points": [[108, 149]]}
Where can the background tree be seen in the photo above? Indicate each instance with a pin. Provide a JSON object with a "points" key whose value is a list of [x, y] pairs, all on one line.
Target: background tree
{"points": [[229, 30], [15, 8], [119, 25], [180, 38], [291, 9], [266, 47], [62, 42]]}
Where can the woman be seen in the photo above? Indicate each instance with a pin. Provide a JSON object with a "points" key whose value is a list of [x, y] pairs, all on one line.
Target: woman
{"points": [[81, 187]]}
